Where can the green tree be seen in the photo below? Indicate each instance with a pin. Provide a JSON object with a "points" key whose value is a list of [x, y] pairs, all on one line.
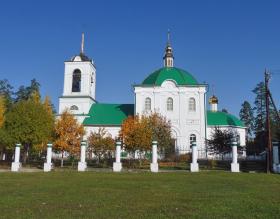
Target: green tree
{"points": [[260, 117], [246, 115], [6, 90], [259, 108], [220, 141], [224, 110], [28, 123], [161, 132], [101, 144], [24, 93]]}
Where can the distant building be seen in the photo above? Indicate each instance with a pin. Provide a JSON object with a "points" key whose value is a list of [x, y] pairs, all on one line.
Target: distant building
{"points": [[170, 91]]}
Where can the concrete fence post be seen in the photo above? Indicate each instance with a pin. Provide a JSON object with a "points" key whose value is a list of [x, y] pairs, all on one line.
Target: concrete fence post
{"points": [[82, 165], [234, 164], [154, 164], [16, 165], [194, 164], [117, 166], [48, 164], [275, 146]]}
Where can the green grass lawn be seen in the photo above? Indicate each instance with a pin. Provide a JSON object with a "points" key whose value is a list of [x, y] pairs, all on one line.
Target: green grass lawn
{"points": [[71, 194]]}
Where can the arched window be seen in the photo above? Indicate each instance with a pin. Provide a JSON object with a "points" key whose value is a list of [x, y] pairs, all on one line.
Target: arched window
{"points": [[192, 106], [148, 103], [169, 104], [238, 139], [192, 138], [76, 81], [74, 107]]}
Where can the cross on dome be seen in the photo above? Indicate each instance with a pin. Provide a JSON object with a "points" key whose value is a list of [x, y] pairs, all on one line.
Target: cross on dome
{"points": [[168, 56]]}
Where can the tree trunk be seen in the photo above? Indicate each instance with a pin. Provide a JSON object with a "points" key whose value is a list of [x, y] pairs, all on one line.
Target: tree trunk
{"points": [[25, 153], [61, 161], [2, 155]]}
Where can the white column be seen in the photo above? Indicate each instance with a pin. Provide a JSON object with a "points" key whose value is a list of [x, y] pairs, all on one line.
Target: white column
{"points": [[117, 166], [16, 165], [194, 164], [82, 165], [154, 164], [234, 164], [275, 156], [48, 164]]}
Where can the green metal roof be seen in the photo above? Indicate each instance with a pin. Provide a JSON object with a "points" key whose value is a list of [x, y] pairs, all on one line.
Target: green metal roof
{"points": [[181, 77], [114, 114], [108, 114], [222, 119]]}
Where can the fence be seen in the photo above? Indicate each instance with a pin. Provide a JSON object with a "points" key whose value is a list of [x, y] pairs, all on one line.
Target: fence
{"points": [[168, 160]]}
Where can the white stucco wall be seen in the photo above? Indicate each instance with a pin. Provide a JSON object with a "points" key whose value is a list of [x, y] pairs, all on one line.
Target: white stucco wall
{"points": [[88, 73], [183, 122]]}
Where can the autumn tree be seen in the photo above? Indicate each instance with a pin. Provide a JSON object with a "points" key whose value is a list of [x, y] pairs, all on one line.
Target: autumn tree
{"points": [[138, 132], [68, 134], [101, 144]]}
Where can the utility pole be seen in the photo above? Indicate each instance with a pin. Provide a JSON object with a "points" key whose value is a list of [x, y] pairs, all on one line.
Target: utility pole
{"points": [[268, 131]]}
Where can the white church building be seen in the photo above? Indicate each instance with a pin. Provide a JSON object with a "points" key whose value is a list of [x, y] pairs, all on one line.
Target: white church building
{"points": [[170, 91]]}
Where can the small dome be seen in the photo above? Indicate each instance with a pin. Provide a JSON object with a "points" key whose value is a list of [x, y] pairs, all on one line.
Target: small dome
{"points": [[213, 100], [181, 77]]}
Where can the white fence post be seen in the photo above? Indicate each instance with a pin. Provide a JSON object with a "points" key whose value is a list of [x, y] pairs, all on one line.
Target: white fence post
{"points": [[154, 164], [117, 166], [48, 164], [275, 157], [194, 164], [16, 165], [82, 165], [234, 164]]}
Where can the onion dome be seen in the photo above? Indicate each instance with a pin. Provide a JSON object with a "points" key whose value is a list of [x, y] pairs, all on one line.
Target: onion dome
{"points": [[213, 100]]}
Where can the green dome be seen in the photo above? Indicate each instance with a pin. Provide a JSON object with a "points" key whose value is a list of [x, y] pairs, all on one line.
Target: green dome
{"points": [[223, 119], [181, 77]]}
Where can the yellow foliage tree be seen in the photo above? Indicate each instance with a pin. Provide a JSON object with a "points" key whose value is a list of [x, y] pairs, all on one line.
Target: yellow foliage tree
{"points": [[36, 97], [48, 106], [136, 134], [69, 134]]}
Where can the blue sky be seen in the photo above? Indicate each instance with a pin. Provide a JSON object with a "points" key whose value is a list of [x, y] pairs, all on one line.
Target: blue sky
{"points": [[226, 44]]}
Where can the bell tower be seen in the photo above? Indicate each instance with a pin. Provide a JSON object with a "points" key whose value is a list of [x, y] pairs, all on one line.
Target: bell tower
{"points": [[79, 85]]}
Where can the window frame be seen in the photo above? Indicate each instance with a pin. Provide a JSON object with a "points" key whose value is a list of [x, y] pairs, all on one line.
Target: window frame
{"points": [[148, 102], [169, 104], [192, 104]]}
